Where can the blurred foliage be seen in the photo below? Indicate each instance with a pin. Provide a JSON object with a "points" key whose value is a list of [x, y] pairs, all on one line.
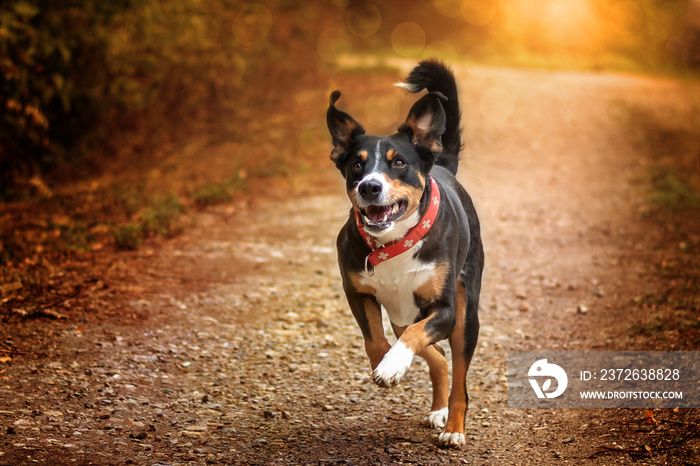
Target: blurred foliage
{"points": [[671, 192], [81, 78], [53, 79]]}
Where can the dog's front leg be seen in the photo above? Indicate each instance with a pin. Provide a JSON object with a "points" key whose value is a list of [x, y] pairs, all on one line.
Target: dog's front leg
{"points": [[368, 315], [439, 376], [413, 340]]}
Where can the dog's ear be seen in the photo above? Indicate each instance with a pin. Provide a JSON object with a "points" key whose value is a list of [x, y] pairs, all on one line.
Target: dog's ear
{"points": [[343, 128], [425, 123]]}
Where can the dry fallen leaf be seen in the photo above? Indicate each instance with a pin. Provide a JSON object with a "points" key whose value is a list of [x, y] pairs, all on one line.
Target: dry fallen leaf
{"points": [[649, 417]]}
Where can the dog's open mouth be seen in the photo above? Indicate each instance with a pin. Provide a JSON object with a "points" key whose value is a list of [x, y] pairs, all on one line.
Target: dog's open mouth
{"points": [[381, 216]]}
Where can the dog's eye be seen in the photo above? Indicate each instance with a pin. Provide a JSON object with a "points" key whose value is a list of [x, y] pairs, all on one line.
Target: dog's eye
{"points": [[357, 166], [398, 163]]}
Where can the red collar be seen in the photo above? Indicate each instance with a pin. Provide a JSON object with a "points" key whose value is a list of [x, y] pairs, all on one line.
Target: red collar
{"points": [[381, 253]]}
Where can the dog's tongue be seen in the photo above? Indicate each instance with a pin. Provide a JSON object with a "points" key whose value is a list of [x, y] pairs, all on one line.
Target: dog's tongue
{"points": [[376, 213]]}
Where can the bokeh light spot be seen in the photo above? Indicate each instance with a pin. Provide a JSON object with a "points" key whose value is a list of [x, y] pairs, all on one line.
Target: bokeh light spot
{"points": [[625, 18], [382, 111], [478, 12], [448, 8], [408, 39], [363, 20], [332, 43], [252, 24], [227, 68], [496, 105], [201, 32]]}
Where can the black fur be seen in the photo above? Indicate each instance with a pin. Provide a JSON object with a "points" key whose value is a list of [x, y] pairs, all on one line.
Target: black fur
{"points": [[435, 77]]}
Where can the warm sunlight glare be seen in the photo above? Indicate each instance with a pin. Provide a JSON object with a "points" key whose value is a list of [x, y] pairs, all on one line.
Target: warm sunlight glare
{"points": [[571, 25]]}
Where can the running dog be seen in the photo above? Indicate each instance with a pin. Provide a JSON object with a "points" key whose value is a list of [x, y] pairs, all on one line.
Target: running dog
{"points": [[412, 243]]}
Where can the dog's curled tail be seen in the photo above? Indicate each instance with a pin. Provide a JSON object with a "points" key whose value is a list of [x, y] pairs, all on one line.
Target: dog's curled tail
{"points": [[434, 76]]}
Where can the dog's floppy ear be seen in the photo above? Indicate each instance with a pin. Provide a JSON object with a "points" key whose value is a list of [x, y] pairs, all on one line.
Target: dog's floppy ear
{"points": [[426, 122], [343, 128]]}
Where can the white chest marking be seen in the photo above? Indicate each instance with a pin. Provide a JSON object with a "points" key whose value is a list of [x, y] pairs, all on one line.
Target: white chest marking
{"points": [[395, 281]]}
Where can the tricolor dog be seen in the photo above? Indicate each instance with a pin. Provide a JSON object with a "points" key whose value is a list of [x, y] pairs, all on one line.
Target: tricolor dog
{"points": [[412, 244]]}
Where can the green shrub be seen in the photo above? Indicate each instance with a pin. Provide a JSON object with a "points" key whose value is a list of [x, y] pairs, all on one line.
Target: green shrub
{"points": [[159, 218], [127, 237], [672, 192]]}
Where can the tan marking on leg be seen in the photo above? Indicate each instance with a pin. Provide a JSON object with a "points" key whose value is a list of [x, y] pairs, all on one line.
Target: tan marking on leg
{"points": [[439, 376], [415, 337], [378, 346], [356, 280], [438, 370], [458, 395], [432, 289]]}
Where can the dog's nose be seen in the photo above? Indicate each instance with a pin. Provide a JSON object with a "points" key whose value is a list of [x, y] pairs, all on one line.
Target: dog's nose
{"points": [[370, 189]]}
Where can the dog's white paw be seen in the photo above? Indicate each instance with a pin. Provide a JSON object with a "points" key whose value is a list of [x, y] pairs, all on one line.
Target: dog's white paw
{"points": [[451, 439], [393, 366], [438, 419]]}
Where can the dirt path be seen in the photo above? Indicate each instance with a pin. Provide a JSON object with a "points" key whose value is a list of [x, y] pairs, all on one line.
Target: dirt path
{"points": [[233, 344]]}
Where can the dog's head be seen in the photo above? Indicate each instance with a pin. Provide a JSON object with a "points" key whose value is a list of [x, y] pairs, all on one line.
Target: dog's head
{"points": [[386, 176]]}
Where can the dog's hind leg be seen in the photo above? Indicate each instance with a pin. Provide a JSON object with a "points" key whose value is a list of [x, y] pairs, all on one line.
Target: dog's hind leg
{"points": [[463, 343], [439, 376], [437, 365]]}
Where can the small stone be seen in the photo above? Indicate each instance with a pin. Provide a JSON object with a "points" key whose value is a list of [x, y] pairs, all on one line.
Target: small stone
{"points": [[581, 309], [269, 415], [569, 439], [286, 415], [524, 307], [196, 428], [328, 408]]}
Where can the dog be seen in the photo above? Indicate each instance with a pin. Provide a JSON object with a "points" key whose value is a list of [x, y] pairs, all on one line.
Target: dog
{"points": [[412, 243]]}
